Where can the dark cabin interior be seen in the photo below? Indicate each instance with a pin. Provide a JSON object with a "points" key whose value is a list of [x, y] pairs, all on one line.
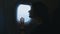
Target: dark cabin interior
{"points": [[8, 23]]}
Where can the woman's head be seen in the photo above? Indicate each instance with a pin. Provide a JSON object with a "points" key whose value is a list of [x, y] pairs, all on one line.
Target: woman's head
{"points": [[38, 11]]}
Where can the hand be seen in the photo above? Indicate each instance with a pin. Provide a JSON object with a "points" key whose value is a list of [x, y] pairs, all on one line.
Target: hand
{"points": [[21, 20]]}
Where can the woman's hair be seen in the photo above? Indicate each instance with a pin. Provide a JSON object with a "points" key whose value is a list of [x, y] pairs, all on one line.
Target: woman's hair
{"points": [[40, 10]]}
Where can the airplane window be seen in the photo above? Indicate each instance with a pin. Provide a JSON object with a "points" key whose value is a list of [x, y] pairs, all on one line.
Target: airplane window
{"points": [[23, 11]]}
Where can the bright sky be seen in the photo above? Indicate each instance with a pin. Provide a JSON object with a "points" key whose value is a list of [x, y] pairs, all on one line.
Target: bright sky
{"points": [[22, 11]]}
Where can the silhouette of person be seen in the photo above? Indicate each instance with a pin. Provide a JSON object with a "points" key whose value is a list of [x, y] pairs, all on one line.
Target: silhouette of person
{"points": [[39, 18]]}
